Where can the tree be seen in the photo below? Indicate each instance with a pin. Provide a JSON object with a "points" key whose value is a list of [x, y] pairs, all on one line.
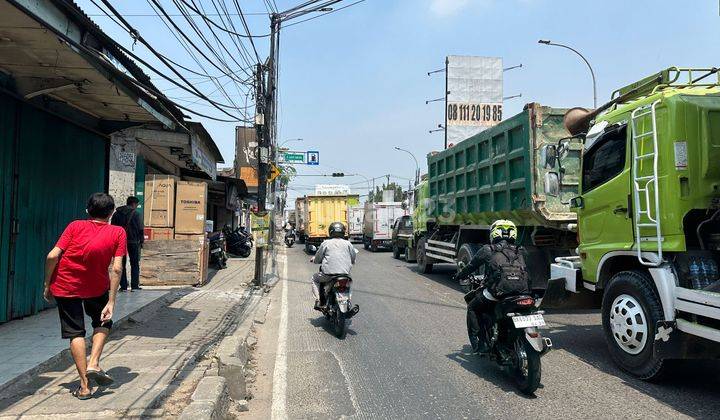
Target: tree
{"points": [[377, 195]]}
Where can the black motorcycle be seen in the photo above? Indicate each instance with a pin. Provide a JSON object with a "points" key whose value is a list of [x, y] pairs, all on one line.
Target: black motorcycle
{"points": [[239, 242], [290, 238], [218, 257], [510, 333], [338, 309]]}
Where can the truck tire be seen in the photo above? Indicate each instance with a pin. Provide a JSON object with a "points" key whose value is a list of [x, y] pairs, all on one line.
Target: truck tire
{"points": [[464, 255], [630, 311], [366, 244], [424, 267], [373, 246], [396, 252]]}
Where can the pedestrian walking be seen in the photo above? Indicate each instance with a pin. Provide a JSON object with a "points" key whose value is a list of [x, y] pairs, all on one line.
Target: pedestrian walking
{"points": [[129, 219], [76, 276]]}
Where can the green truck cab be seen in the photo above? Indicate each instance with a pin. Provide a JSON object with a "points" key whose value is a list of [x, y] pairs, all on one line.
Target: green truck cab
{"points": [[648, 215]]}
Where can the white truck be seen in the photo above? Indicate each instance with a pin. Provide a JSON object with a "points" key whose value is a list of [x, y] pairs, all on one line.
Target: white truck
{"points": [[378, 223], [355, 223]]}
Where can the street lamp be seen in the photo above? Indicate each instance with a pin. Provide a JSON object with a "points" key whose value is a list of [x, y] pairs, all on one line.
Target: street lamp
{"points": [[288, 141], [592, 73], [417, 167]]}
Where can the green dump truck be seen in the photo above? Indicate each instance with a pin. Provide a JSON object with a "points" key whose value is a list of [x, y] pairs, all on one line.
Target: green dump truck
{"points": [[504, 172], [649, 218]]}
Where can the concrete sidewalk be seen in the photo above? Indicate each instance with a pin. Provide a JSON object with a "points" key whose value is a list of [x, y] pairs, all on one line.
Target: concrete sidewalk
{"points": [[31, 342], [149, 356]]}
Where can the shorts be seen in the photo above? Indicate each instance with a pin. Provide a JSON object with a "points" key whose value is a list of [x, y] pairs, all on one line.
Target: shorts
{"points": [[72, 312]]}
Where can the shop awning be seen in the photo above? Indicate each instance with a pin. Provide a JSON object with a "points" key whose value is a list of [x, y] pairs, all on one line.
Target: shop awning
{"points": [[55, 55]]}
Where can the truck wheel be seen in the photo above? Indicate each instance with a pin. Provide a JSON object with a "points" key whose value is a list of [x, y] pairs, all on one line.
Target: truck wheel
{"points": [[408, 256], [424, 267], [396, 252], [464, 256], [630, 311], [366, 244], [373, 246]]}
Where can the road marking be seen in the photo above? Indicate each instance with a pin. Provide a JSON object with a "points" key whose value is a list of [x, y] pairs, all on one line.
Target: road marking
{"points": [[279, 399]]}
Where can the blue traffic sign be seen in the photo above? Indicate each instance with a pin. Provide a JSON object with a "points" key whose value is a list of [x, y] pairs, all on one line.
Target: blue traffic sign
{"points": [[313, 158]]}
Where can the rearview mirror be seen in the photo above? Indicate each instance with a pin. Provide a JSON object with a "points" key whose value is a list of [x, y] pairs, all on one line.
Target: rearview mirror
{"points": [[577, 203], [552, 184]]}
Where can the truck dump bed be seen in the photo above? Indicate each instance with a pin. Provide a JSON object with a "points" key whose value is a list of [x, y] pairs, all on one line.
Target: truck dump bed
{"points": [[501, 173], [322, 210]]}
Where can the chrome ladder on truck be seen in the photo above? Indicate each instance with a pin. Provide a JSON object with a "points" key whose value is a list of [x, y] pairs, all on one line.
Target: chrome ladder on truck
{"points": [[645, 183]]}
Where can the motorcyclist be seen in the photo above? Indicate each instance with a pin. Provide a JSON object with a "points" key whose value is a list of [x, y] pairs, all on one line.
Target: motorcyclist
{"points": [[505, 275], [336, 256]]}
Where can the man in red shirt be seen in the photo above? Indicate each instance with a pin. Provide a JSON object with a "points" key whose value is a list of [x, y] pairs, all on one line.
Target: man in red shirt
{"points": [[76, 276]]}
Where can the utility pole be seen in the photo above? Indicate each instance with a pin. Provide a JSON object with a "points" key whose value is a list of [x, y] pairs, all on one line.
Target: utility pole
{"points": [[263, 148], [266, 116]]}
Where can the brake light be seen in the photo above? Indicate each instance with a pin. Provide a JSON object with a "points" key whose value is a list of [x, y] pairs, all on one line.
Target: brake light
{"points": [[342, 284], [526, 302]]}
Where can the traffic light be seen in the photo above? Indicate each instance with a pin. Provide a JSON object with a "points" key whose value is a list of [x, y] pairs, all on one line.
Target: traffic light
{"points": [[338, 174]]}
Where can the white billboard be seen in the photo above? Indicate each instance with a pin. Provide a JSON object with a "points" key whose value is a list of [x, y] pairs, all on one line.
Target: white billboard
{"points": [[332, 189], [474, 95]]}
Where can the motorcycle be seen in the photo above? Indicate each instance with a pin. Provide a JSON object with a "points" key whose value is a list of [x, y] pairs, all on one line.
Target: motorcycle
{"points": [[239, 242], [218, 257], [512, 337], [338, 309], [290, 238]]}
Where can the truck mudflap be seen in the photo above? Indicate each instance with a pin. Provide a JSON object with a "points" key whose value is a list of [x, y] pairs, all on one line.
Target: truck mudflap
{"points": [[671, 342]]}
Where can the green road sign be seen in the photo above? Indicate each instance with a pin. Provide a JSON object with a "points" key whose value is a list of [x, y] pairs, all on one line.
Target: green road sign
{"points": [[293, 157]]}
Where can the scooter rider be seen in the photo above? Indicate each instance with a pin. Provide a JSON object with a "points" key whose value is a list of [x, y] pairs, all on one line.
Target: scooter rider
{"points": [[336, 256], [505, 275]]}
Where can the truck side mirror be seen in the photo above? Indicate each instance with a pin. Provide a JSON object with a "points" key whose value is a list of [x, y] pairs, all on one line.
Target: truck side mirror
{"points": [[552, 184], [549, 155], [577, 203]]}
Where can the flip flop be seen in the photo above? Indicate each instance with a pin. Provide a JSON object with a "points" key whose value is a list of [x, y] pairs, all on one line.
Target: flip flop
{"points": [[80, 396], [100, 377]]}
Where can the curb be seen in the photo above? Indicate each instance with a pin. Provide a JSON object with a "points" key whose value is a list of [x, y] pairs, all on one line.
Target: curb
{"points": [[225, 387], [64, 355], [209, 401]]}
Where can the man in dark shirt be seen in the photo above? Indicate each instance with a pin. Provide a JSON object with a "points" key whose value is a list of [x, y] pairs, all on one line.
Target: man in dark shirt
{"points": [[128, 217]]}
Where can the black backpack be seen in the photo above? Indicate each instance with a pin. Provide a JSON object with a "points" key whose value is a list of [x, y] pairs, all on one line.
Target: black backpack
{"points": [[508, 274]]}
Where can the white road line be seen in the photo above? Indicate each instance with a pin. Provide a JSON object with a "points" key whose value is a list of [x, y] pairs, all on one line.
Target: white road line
{"points": [[279, 399]]}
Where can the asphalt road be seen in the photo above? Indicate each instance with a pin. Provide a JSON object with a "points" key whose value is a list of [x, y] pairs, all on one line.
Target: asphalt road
{"points": [[406, 356]]}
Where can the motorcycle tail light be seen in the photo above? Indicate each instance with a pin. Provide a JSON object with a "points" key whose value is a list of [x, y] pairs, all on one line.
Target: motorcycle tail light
{"points": [[526, 302], [342, 284]]}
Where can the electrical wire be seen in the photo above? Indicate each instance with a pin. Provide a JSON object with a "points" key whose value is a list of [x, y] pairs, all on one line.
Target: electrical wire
{"points": [[182, 33], [205, 17], [136, 35], [220, 56], [323, 14]]}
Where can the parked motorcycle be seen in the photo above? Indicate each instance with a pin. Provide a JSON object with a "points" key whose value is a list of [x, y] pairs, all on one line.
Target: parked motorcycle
{"points": [[290, 238], [239, 242], [218, 257], [512, 336], [338, 308]]}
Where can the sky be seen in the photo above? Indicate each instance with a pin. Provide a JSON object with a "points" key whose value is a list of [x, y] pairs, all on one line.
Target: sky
{"points": [[353, 83]]}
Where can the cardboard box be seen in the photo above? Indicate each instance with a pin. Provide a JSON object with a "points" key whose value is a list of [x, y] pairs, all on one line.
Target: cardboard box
{"points": [[190, 237], [190, 207], [159, 200], [155, 234]]}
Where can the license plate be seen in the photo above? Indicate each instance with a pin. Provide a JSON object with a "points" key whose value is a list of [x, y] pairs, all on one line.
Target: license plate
{"points": [[525, 321]]}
